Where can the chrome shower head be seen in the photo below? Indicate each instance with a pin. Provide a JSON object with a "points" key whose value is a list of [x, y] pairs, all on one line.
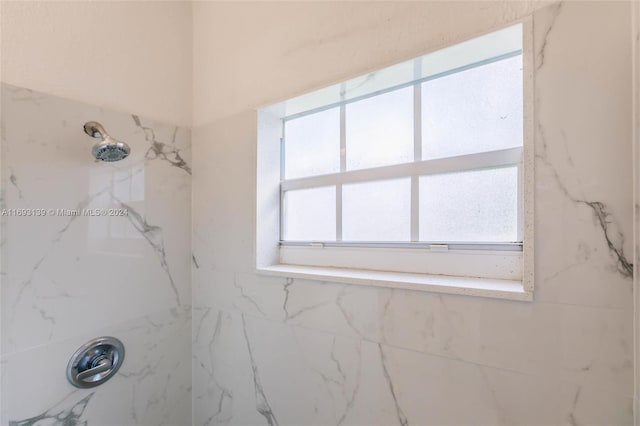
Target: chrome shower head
{"points": [[108, 149]]}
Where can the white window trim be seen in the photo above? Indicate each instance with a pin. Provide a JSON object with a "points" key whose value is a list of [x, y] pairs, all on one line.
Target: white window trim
{"points": [[423, 267], [482, 160]]}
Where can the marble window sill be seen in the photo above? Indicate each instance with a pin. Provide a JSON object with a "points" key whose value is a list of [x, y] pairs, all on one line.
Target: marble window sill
{"points": [[483, 287]]}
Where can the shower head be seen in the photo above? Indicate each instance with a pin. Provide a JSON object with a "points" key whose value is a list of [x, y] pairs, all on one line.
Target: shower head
{"points": [[108, 149]]}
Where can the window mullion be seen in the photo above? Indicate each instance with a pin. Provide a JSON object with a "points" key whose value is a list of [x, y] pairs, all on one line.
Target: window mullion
{"points": [[482, 160], [417, 156], [282, 178], [343, 168], [339, 212], [415, 223], [520, 211]]}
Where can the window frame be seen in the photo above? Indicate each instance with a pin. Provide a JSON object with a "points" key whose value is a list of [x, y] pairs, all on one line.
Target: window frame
{"points": [[512, 279]]}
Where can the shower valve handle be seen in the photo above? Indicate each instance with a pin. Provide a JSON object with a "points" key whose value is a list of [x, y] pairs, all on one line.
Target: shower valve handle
{"points": [[95, 362], [101, 366]]}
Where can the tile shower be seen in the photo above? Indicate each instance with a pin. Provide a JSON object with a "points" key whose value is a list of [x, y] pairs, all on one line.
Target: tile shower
{"points": [[210, 342], [68, 278], [290, 352]]}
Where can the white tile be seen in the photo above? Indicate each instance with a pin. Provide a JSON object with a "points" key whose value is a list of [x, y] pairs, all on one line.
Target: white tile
{"points": [[153, 385], [57, 269]]}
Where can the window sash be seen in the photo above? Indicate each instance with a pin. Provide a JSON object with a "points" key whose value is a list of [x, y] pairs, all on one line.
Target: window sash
{"points": [[485, 160], [416, 82], [496, 159], [475, 161]]}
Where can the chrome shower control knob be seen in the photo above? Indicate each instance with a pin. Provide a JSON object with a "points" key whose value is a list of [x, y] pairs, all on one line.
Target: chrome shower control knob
{"points": [[98, 367], [95, 362]]}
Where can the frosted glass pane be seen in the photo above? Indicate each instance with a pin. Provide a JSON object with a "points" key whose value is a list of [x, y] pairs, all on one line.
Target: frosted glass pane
{"points": [[310, 214], [377, 211], [380, 130], [489, 45], [473, 111], [476, 206], [312, 144]]}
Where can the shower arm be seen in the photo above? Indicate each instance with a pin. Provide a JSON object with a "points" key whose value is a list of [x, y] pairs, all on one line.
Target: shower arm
{"points": [[95, 130]]}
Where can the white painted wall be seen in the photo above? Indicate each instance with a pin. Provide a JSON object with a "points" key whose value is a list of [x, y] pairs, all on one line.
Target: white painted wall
{"points": [[255, 53], [132, 56], [300, 351]]}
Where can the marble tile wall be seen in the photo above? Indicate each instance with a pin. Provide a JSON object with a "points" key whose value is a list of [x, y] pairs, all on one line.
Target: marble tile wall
{"points": [[282, 351], [69, 278], [635, 40]]}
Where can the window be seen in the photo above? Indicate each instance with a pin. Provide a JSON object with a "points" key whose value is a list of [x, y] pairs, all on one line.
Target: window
{"points": [[418, 175]]}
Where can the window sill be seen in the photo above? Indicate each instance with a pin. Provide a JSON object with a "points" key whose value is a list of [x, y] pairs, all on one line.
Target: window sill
{"points": [[482, 287]]}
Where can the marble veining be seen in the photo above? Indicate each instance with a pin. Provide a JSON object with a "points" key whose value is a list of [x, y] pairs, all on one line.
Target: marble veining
{"points": [[14, 181], [246, 297], [288, 283], [262, 404], [153, 235], [604, 220], [71, 416], [350, 396], [614, 238], [555, 11], [225, 395], [300, 311], [161, 150], [345, 311], [402, 419], [572, 418]]}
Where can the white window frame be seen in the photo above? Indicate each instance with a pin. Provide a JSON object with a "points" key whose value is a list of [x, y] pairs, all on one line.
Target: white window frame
{"points": [[502, 270]]}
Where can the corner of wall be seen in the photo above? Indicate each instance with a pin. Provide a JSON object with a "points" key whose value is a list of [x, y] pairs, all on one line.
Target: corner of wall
{"points": [[635, 46]]}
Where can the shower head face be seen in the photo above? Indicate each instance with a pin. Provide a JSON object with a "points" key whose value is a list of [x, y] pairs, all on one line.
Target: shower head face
{"points": [[111, 150], [108, 149]]}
